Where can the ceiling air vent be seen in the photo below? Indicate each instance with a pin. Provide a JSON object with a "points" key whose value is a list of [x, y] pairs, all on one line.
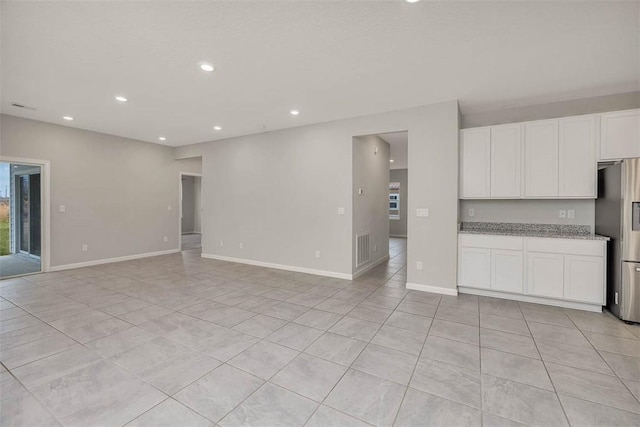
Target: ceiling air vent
{"points": [[18, 105]]}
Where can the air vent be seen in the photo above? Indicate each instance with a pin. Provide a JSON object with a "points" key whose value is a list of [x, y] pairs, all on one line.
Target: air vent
{"points": [[18, 105], [363, 254]]}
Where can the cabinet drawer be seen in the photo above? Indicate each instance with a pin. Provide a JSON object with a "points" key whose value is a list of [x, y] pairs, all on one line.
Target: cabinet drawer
{"points": [[566, 246], [490, 242]]}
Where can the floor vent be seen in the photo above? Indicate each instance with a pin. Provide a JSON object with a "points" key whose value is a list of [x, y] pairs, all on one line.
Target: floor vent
{"points": [[363, 254]]}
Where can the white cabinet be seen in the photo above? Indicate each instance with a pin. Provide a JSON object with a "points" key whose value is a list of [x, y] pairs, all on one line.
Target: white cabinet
{"points": [[545, 274], [541, 159], [506, 161], [620, 135], [583, 278], [577, 165], [507, 271], [475, 267], [475, 162], [565, 272]]}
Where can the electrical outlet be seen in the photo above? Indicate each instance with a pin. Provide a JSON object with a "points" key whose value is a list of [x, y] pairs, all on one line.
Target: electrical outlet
{"points": [[165, 238], [317, 254], [562, 213], [571, 213], [472, 212], [419, 265], [241, 245], [85, 247], [62, 208], [221, 243], [169, 208]]}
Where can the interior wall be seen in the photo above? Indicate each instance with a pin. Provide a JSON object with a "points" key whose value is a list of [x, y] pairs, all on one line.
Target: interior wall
{"points": [[398, 227], [371, 209], [116, 191], [282, 191], [576, 107], [197, 204], [528, 211], [188, 204]]}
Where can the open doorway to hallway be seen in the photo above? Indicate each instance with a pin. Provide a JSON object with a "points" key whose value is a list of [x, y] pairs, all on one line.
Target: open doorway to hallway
{"points": [[398, 202], [20, 219], [191, 210]]}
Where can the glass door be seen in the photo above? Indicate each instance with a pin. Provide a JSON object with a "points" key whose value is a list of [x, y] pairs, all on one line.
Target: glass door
{"points": [[28, 213]]}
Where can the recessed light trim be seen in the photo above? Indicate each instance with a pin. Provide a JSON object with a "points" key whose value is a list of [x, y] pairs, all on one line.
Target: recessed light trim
{"points": [[162, 138], [412, 1], [390, 160], [67, 118], [217, 128], [294, 112], [205, 66], [121, 98]]}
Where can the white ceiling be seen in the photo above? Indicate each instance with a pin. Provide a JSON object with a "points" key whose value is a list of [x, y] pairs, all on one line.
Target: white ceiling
{"points": [[399, 147], [331, 60]]}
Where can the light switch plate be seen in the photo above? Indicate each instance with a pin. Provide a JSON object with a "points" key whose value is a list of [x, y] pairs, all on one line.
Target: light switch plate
{"points": [[340, 211], [422, 212]]}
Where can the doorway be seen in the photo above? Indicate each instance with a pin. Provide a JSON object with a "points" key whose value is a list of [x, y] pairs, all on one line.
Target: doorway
{"points": [[20, 219], [190, 212]]}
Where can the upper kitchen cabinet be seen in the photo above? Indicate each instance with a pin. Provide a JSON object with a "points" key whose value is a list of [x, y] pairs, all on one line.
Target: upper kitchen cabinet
{"points": [[541, 159], [620, 135], [506, 161], [475, 163], [577, 163]]}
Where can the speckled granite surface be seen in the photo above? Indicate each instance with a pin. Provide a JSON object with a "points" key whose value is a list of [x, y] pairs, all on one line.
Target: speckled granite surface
{"points": [[559, 231]]}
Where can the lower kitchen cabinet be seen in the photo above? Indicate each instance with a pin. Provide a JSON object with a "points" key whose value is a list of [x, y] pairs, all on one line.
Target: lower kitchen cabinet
{"points": [[545, 274], [562, 272], [583, 278]]}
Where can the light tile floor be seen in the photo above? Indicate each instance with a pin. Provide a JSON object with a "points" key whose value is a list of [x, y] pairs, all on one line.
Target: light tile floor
{"points": [[179, 340]]}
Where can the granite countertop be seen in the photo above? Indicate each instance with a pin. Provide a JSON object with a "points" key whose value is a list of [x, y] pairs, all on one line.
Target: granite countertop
{"points": [[557, 231]]}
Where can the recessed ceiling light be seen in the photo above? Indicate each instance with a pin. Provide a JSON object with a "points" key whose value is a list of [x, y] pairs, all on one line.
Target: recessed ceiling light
{"points": [[69, 118], [121, 98], [204, 66], [412, 1], [294, 112], [217, 128], [390, 160], [162, 138]]}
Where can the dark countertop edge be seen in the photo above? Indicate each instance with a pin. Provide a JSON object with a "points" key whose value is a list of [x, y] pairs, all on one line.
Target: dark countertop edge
{"points": [[534, 234]]}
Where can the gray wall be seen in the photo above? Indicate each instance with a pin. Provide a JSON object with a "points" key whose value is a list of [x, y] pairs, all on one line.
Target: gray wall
{"points": [[282, 189], [370, 209], [599, 104], [398, 228], [188, 204], [116, 190], [528, 211]]}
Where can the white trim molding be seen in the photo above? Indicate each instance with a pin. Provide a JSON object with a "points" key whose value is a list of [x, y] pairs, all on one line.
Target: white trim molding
{"points": [[597, 308], [280, 266], [370, 266], [432, 289], [111, 260]]}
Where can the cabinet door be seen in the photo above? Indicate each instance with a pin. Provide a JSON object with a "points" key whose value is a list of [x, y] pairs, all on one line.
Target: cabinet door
{"points": [[475, 268], [506, 271], [620, 135], [475, 162], [506, 161], [584, 278], [577, 162], [541, 159], [545, 274]]}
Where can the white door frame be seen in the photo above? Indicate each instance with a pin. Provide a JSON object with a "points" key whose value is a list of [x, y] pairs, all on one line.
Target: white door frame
{"points": [[45, 212], [180, 175]]}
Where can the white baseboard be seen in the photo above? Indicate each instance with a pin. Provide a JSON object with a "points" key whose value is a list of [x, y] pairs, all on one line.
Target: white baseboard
{"points": [[404, 236], [529, 298], [432, 289], [110, 260], [370, 266], [280, 266]]}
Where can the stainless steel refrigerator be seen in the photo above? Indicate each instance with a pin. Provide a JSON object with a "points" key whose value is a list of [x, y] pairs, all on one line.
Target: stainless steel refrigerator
{"points": [[618, 216]]}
